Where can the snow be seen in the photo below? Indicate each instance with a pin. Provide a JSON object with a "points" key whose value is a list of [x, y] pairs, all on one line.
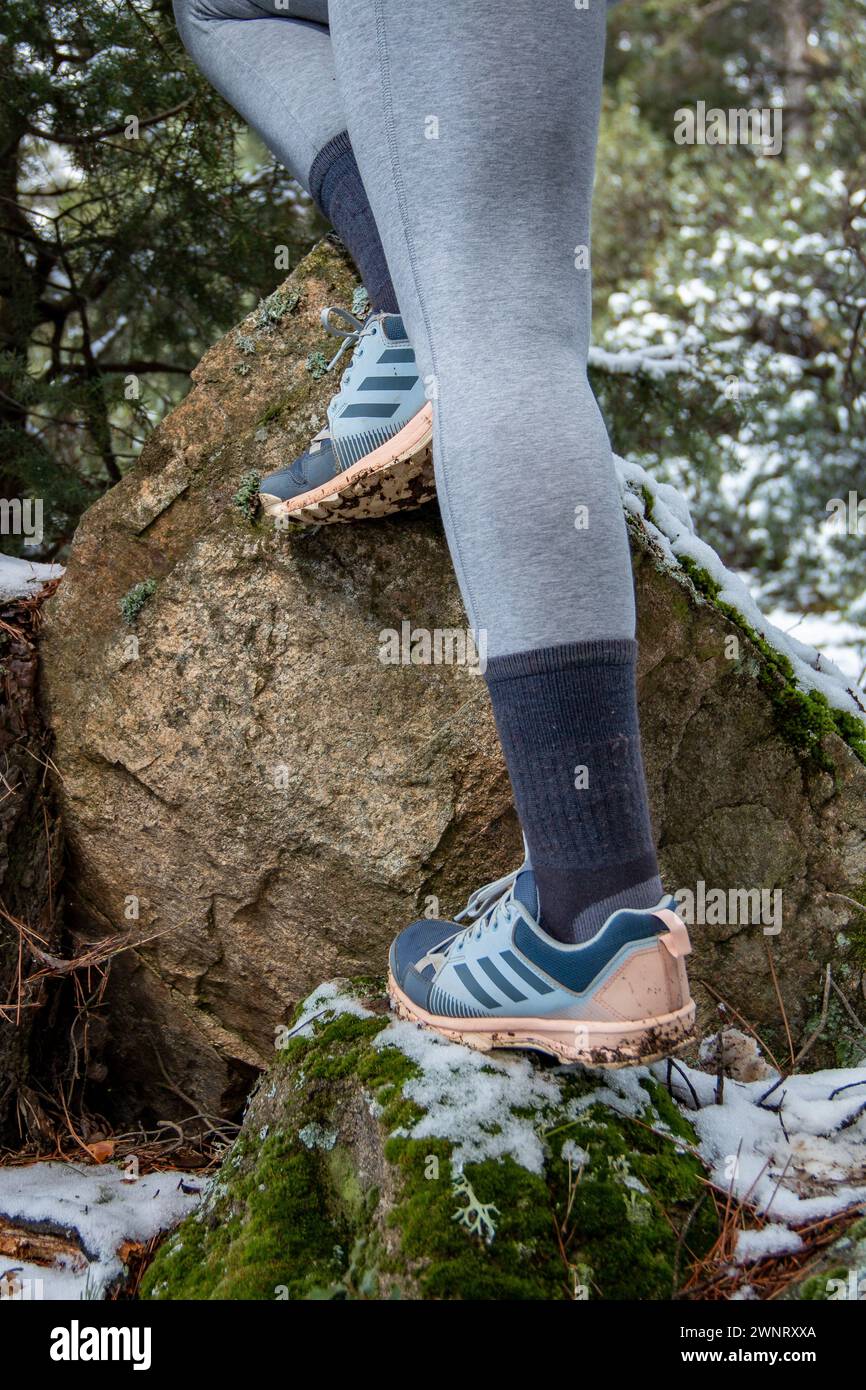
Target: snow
{"points": [[328, 998], [574, 1155], [658, 361], [772, 1239], [672, 529], [104, 1205], [838, 639], [799, 1156], [21, 578], [470, 1098]]}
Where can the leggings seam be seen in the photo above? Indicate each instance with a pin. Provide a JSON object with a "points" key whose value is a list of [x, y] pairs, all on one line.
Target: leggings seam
{"points": [[397, 175]]}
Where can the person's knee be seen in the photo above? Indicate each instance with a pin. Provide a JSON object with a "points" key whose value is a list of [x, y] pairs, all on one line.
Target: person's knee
{"points": [[191, 15], [185, 17]]}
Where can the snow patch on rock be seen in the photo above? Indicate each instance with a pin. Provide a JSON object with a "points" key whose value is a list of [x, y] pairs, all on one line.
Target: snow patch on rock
{"points": [[671, 528], [794, 1149], [21, 578]]}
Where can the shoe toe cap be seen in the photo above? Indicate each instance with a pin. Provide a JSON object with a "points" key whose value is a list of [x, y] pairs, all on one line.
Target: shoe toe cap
{"points": [[413, 944], [308, 471]]}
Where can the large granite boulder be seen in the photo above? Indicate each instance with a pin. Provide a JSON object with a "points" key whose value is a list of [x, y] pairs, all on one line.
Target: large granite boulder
{"points": [[247, 780]]}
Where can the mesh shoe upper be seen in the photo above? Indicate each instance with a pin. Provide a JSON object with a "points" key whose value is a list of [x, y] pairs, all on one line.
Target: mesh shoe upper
{"points": [[380, 392]]}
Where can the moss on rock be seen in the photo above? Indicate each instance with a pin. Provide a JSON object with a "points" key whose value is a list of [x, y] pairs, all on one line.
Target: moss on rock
{"points": [[803, 717], [841, 1271], [355, 1177]]}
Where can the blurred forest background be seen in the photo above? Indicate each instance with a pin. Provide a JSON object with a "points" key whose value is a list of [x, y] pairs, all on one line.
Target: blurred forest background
{"points": [[123, 259]]}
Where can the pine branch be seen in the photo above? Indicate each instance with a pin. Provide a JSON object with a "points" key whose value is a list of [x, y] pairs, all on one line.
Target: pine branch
{"points": [[56, 137]]}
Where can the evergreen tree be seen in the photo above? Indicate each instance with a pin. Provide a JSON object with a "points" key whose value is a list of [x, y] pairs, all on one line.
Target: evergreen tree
{"points": [[139, 219]]}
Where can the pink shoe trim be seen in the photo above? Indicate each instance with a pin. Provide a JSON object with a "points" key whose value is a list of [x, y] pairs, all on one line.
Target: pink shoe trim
{"points": [[410, 438], [611, 1043], [676, 938]]}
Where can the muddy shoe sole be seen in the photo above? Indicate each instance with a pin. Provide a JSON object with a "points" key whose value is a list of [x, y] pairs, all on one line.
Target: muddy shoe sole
{"points": [[591, 1044], [396, 477]]}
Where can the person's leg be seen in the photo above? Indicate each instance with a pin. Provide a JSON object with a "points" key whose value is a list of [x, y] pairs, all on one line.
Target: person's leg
{"points": [[273, 62], [277, 70], [474, 126]]}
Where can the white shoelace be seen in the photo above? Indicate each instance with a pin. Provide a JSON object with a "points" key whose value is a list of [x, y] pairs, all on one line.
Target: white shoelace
{"points": [[488, 907], [351, 336]]}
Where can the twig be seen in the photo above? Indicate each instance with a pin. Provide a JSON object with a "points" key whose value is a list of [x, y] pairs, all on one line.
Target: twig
{"points": [[825, 1004], [766, 1210], [847, 1087], [720, 1058], [671, 1064], [780, 999], [849, 1011], [843, 897], [693, 1211], [775, 1086]]}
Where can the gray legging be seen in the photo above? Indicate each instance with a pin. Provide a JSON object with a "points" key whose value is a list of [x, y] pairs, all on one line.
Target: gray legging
{"points": [[474, 126]]}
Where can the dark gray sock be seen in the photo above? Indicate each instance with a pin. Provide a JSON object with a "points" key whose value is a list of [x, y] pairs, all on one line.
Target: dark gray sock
{"points": [[567, 718], [336, 188]]}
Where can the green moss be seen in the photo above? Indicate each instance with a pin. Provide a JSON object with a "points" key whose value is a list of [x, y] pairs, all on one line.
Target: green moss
{"points": [[135, 598], [648, 503], [520, 1263], [274, 411], [308, 1216], [804, 718], [246, 499], [262, 1231], [815, 1289], [844, 1262], [701, 578], [345, 1184], [852, 730], [841, 1040]]}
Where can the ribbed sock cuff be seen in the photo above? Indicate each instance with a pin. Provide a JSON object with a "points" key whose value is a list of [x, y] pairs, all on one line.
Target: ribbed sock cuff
{"points": [[640, 896], [580, 693], [568, 656], [337, 189]]}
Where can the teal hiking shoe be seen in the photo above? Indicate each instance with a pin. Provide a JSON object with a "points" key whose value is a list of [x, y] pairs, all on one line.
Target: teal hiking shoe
{"points": [[499, 981], [374, 456]]}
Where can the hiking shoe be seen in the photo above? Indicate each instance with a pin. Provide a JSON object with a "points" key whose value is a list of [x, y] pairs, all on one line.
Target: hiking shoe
{"points": [[374, 456], [617, 1000]]}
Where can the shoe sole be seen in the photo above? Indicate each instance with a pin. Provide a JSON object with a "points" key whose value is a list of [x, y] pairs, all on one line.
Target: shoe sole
{"points": [[592, 1044], [396, 477]]}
